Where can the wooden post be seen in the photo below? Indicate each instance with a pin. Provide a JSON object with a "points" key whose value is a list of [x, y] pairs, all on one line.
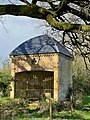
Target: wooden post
{"points": [[13, 77], [50, 104], [48, 96], [71, 100], [71, 106]]}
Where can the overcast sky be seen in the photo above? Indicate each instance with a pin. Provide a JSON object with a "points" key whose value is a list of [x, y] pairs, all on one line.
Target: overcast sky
{"points": [[15, 30]]}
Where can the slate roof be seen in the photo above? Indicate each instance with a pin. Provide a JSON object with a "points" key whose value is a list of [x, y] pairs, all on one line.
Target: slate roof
{"points": [[40, 45]]}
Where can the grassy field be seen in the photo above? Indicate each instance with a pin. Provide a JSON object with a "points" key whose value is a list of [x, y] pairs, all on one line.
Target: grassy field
{"points": [[77, 115], [6, 104]]}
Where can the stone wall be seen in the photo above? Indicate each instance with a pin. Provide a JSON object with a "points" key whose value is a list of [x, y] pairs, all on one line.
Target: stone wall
{"points": [[58, 63], [42, 62], [45, 62], [65, 76]]}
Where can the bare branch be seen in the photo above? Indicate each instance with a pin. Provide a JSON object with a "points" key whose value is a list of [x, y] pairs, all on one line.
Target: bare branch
{"points": [[25, 1]]}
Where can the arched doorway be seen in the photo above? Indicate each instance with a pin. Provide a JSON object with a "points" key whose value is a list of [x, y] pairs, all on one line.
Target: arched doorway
{"points": [[33, 84]]}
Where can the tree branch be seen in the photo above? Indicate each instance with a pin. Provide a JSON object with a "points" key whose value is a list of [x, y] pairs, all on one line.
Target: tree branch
{"points": [[62, 4], [66, 26], [31, 10], [35, 11], [25, 1], [81, 13]]}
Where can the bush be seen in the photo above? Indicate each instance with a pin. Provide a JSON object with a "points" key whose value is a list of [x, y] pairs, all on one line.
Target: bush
{"points": [[81, 77], [5, 79]]}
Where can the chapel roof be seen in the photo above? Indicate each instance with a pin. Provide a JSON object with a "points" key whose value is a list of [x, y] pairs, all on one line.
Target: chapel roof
{"points": [[40, 45]]}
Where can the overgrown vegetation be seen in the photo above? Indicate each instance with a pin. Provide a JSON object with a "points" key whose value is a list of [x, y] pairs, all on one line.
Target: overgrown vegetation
{"points": [[22, 109], [5, 78], [81, 77], [18, 110]]}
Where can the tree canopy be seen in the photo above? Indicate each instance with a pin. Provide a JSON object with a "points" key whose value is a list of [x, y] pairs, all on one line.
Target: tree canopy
{"points": [[56, 13]]}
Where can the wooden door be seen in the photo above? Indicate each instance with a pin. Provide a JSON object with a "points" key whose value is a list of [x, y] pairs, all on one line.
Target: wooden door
{"points": [[33, 84]]}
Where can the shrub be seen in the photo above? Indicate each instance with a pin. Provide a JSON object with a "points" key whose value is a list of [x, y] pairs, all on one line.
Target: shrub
{"points": [[81, 77]]}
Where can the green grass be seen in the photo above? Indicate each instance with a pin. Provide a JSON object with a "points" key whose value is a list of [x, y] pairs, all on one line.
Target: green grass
{"points": [[86, 101], [84, 114], [4, 100], [33, 118], [76, 115], [34, 114]]}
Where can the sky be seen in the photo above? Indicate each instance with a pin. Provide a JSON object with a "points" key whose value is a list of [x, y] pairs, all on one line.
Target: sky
{"points": [[15, 30]]}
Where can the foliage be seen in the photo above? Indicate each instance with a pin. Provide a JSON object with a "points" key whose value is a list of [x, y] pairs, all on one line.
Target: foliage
{"points": [[81, 77], [86, 101], [5, 77]]}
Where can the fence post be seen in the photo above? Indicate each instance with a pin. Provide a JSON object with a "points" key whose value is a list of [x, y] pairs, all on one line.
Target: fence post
{"points": [[50, 104], [48, 96]]}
